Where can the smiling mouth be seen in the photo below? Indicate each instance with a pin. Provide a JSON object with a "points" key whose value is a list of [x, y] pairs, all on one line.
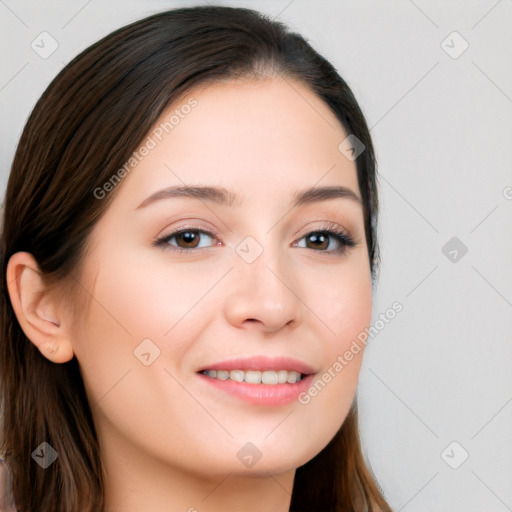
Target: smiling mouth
{"points": [[265, 377]]}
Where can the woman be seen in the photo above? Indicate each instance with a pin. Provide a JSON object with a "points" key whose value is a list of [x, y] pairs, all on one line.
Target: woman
{"points": [[189, 245]]}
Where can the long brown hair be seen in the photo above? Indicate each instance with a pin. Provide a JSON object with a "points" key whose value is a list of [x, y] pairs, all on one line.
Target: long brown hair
{"points": [[83, 129]]}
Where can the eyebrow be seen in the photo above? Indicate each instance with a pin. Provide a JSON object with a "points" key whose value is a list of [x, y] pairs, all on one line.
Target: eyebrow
{"points": [[222, 196]]}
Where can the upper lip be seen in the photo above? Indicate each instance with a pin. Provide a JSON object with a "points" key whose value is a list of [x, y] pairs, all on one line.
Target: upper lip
{"points": [[261, 363]]}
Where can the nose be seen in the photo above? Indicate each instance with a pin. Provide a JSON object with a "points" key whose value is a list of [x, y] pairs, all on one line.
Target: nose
{"points": [[263, 295]]}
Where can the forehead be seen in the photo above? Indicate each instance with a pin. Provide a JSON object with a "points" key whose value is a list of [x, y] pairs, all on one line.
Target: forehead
{"points": [[257, 137]]}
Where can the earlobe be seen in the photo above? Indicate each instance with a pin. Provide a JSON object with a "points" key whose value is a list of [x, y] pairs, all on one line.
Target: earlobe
{"points": [[38, 314]]}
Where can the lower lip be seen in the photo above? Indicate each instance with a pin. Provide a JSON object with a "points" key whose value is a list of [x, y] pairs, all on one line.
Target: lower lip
{"points": [[261, 394]]}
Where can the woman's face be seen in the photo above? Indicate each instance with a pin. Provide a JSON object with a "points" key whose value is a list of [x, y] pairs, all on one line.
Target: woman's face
{"points": [[252, 283]]}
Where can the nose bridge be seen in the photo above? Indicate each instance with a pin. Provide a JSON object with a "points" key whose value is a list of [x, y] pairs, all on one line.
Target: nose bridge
{"points": [[263, 289], [265, 270]]}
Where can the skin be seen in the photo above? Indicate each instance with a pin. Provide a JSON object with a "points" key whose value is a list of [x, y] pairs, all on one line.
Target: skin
{"points": [[168, 440]]}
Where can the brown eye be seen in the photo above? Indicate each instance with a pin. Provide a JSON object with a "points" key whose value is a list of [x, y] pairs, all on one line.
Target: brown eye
{"points": [[329, 241], [186, 240], [319, 240]]}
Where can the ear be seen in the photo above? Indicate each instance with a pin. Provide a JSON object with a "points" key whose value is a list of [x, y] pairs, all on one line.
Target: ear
{"points": [[39, 315]]}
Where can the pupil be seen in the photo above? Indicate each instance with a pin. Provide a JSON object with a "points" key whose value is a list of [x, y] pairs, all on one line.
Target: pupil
{"points": [[318, 238], [189, 238]]}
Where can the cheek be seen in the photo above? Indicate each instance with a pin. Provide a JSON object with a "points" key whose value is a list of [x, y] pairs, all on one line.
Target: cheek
{"points": [[349, 311], [131, 301], [165, 304], [341, 299], [148, 297]]}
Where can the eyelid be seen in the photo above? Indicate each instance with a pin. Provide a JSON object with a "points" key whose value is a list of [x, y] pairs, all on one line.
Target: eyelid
{"points": [[327, 225], [324, 225], [189, 225]]}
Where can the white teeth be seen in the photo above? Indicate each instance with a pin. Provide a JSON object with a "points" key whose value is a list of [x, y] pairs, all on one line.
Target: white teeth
{"points": [[282, 375], [252, 377], [292, 377], [268, 377], [237, 375]]}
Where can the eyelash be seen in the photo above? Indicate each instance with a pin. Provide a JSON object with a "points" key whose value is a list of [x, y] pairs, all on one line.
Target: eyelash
{"points": [[330, 229]]}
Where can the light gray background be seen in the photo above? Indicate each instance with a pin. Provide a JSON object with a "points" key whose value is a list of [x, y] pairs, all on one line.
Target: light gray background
{"points": [[440, 371]]}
